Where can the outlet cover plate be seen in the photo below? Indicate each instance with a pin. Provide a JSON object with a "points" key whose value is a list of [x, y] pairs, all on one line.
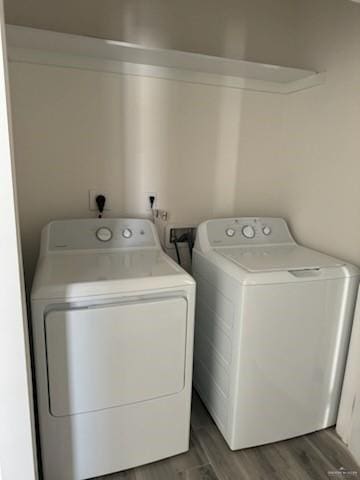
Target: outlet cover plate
{"points": [[92, 199], [147, 202]]}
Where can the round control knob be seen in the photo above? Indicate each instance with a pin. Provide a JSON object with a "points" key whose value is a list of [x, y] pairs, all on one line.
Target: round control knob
{"points": [[248, 231], [230, 232], [104, 234], [266, 230], [127, 233]]}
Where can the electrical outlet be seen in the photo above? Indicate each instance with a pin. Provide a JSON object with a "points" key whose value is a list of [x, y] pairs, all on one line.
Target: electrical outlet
{"points": [[147, 201], [92, 199]]}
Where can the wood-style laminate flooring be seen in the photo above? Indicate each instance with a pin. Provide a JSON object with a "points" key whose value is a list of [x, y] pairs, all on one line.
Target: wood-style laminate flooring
{"points": [[318, 456]]}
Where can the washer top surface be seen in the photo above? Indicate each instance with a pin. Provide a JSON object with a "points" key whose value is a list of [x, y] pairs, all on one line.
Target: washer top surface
{"points": [[74, 261], [277, 258]]}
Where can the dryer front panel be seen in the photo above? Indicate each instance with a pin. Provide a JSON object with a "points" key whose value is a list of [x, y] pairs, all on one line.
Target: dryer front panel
{"points": [[112, 355]]}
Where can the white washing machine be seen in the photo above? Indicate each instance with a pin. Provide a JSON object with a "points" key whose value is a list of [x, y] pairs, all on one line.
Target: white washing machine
{"points": [[272, 329], [112, 323]]}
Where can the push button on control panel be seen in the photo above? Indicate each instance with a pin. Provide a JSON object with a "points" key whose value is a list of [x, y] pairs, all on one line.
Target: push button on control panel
{"points": [[104, 234], [127, 233], [230, 232], [266, 230]]}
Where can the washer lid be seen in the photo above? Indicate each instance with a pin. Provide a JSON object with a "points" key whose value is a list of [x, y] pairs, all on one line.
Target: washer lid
{"points": [[66, 275], [278, 258]]}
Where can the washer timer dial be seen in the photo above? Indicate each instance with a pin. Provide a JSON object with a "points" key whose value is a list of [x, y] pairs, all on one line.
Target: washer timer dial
{"points": [[248, 231]]}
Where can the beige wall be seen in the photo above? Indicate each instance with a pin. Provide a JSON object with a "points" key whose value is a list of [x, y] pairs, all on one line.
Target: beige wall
{"points": [[77, 130], [206, 150], [324, 128], [259, 30], [315, 181]]}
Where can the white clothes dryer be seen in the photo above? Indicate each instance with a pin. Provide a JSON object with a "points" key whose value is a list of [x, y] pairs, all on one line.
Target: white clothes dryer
{"points": [[112, 320], [272, 328]]}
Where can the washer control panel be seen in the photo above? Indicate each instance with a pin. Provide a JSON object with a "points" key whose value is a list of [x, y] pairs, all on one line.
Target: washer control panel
{"points": [[100, 233], [248, 231]]}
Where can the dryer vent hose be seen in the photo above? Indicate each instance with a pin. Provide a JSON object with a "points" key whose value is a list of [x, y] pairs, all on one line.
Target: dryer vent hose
{"points": [[185, 237]]}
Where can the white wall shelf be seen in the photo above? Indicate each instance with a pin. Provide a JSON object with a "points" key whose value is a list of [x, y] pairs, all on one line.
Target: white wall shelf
{"points": [[45, 47]]}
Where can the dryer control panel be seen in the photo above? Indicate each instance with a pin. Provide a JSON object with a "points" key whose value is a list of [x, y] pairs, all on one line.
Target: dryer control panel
{"points": [[95, 234], [247, 231]]}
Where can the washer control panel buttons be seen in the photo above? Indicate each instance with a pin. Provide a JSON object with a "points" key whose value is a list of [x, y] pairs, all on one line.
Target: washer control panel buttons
{"points": [[127, 233], [266, 230], [248, 231], [230, 232], [104, 234]]}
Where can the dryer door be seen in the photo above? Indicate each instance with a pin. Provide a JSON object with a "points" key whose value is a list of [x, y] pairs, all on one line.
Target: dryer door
{"points": [[111, 355]]}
